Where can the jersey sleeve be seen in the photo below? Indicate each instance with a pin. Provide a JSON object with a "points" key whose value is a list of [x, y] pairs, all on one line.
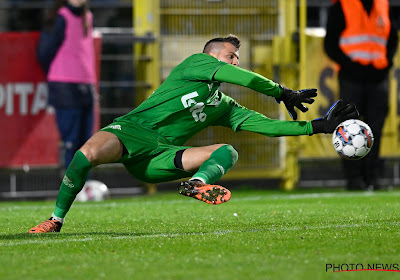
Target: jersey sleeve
{"points": [[235, 75], [261, 124], [201, 67], [235, 116], [241, 118]]}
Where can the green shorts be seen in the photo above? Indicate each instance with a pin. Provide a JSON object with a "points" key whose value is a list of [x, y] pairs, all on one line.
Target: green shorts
{"points": [[150, 156]]}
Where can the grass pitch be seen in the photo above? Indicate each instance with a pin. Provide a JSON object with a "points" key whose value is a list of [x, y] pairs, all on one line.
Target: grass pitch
{"points": [[256, 235]]}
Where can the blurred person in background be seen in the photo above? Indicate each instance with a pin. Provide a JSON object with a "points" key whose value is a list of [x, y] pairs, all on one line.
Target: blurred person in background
{"points": [[362, 38], [66, 54], [149, 141]]}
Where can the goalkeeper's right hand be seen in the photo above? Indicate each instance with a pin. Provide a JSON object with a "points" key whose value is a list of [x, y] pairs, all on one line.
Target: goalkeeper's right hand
{"points": [[296, 98], [339, 112]]}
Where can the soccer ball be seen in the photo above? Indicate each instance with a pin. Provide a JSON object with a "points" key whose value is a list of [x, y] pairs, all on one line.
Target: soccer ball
{"points": [[352, 139], [93, 191]]}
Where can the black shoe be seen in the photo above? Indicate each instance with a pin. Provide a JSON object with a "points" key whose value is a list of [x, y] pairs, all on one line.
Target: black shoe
{"points": [[373, 184], [373, 187], [356, 184]]}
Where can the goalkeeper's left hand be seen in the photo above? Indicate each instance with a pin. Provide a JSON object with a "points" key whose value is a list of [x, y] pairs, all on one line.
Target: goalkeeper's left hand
{"points": [[295, 98], [339, 112]]}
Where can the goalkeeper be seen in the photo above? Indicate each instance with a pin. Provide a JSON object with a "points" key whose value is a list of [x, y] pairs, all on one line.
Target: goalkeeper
{"points": [[149, 140]]}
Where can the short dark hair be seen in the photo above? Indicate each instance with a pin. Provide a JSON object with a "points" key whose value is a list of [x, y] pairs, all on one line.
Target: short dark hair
{"points": [[233, 39]]}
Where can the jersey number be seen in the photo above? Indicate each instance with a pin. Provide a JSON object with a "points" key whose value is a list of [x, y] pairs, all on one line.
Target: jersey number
{"points": [[197, 109]]}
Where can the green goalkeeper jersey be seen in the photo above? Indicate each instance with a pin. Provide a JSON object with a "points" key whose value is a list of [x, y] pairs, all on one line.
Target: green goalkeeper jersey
{"points": [[189, 100]]}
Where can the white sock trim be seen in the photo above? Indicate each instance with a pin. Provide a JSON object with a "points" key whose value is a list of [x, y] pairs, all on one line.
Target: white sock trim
{"points": [[61, 220]]}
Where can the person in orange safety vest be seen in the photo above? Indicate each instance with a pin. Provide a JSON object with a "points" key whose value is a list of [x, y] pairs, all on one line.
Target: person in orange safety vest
{"points": [[361, 38]]}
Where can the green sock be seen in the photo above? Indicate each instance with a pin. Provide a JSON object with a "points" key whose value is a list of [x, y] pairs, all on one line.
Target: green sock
{"points": [[72, 183], [220, 161]]}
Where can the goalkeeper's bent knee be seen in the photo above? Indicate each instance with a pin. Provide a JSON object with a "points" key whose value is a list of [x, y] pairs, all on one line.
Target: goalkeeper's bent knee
{"points": [[220, 161]]}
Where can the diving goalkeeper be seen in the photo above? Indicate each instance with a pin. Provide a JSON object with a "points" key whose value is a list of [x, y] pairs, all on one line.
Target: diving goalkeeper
{"points": [[149, 141]]}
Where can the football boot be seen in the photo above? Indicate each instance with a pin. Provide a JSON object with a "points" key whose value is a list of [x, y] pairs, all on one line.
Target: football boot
{"points": [[49, 225], [212, 194]]}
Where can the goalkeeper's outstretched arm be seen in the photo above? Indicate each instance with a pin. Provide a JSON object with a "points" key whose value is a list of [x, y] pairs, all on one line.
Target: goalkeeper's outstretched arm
{"points": [[261, 124], [235, 75], [338, 113]]}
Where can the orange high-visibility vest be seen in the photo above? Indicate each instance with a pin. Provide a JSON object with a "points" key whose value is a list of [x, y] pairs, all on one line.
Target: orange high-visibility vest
{"points": [[365, 37]]}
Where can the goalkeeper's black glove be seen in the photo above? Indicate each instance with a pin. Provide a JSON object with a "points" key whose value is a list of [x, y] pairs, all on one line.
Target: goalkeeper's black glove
{"points": [[339, 112], [295, 98]]}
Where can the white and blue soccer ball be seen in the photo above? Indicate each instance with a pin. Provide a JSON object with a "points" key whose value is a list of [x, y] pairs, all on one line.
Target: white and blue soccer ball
{"points": [[353, 139], [93, 190]]}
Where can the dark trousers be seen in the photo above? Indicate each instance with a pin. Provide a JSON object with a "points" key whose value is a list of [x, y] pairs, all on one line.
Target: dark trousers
{"points": [[75, 127], [74, 112], [371, 99]]}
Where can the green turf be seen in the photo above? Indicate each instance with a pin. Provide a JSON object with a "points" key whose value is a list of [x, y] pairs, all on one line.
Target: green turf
{"points": [[168, 236]]}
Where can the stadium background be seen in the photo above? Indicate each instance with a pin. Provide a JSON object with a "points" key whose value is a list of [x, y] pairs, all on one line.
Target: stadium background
{"points": [[140, 43]]}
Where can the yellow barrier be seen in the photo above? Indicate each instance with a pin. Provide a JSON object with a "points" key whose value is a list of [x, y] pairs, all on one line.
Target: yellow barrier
{"points": [[146, 20]]}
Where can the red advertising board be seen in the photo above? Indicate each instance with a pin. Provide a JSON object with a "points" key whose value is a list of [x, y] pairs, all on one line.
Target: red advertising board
{"points": [[28, 132]]}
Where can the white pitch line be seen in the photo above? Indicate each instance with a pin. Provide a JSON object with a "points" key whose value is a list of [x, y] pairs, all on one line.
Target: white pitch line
{"points": [[233, 200], [26, 242], [172, 235]]}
